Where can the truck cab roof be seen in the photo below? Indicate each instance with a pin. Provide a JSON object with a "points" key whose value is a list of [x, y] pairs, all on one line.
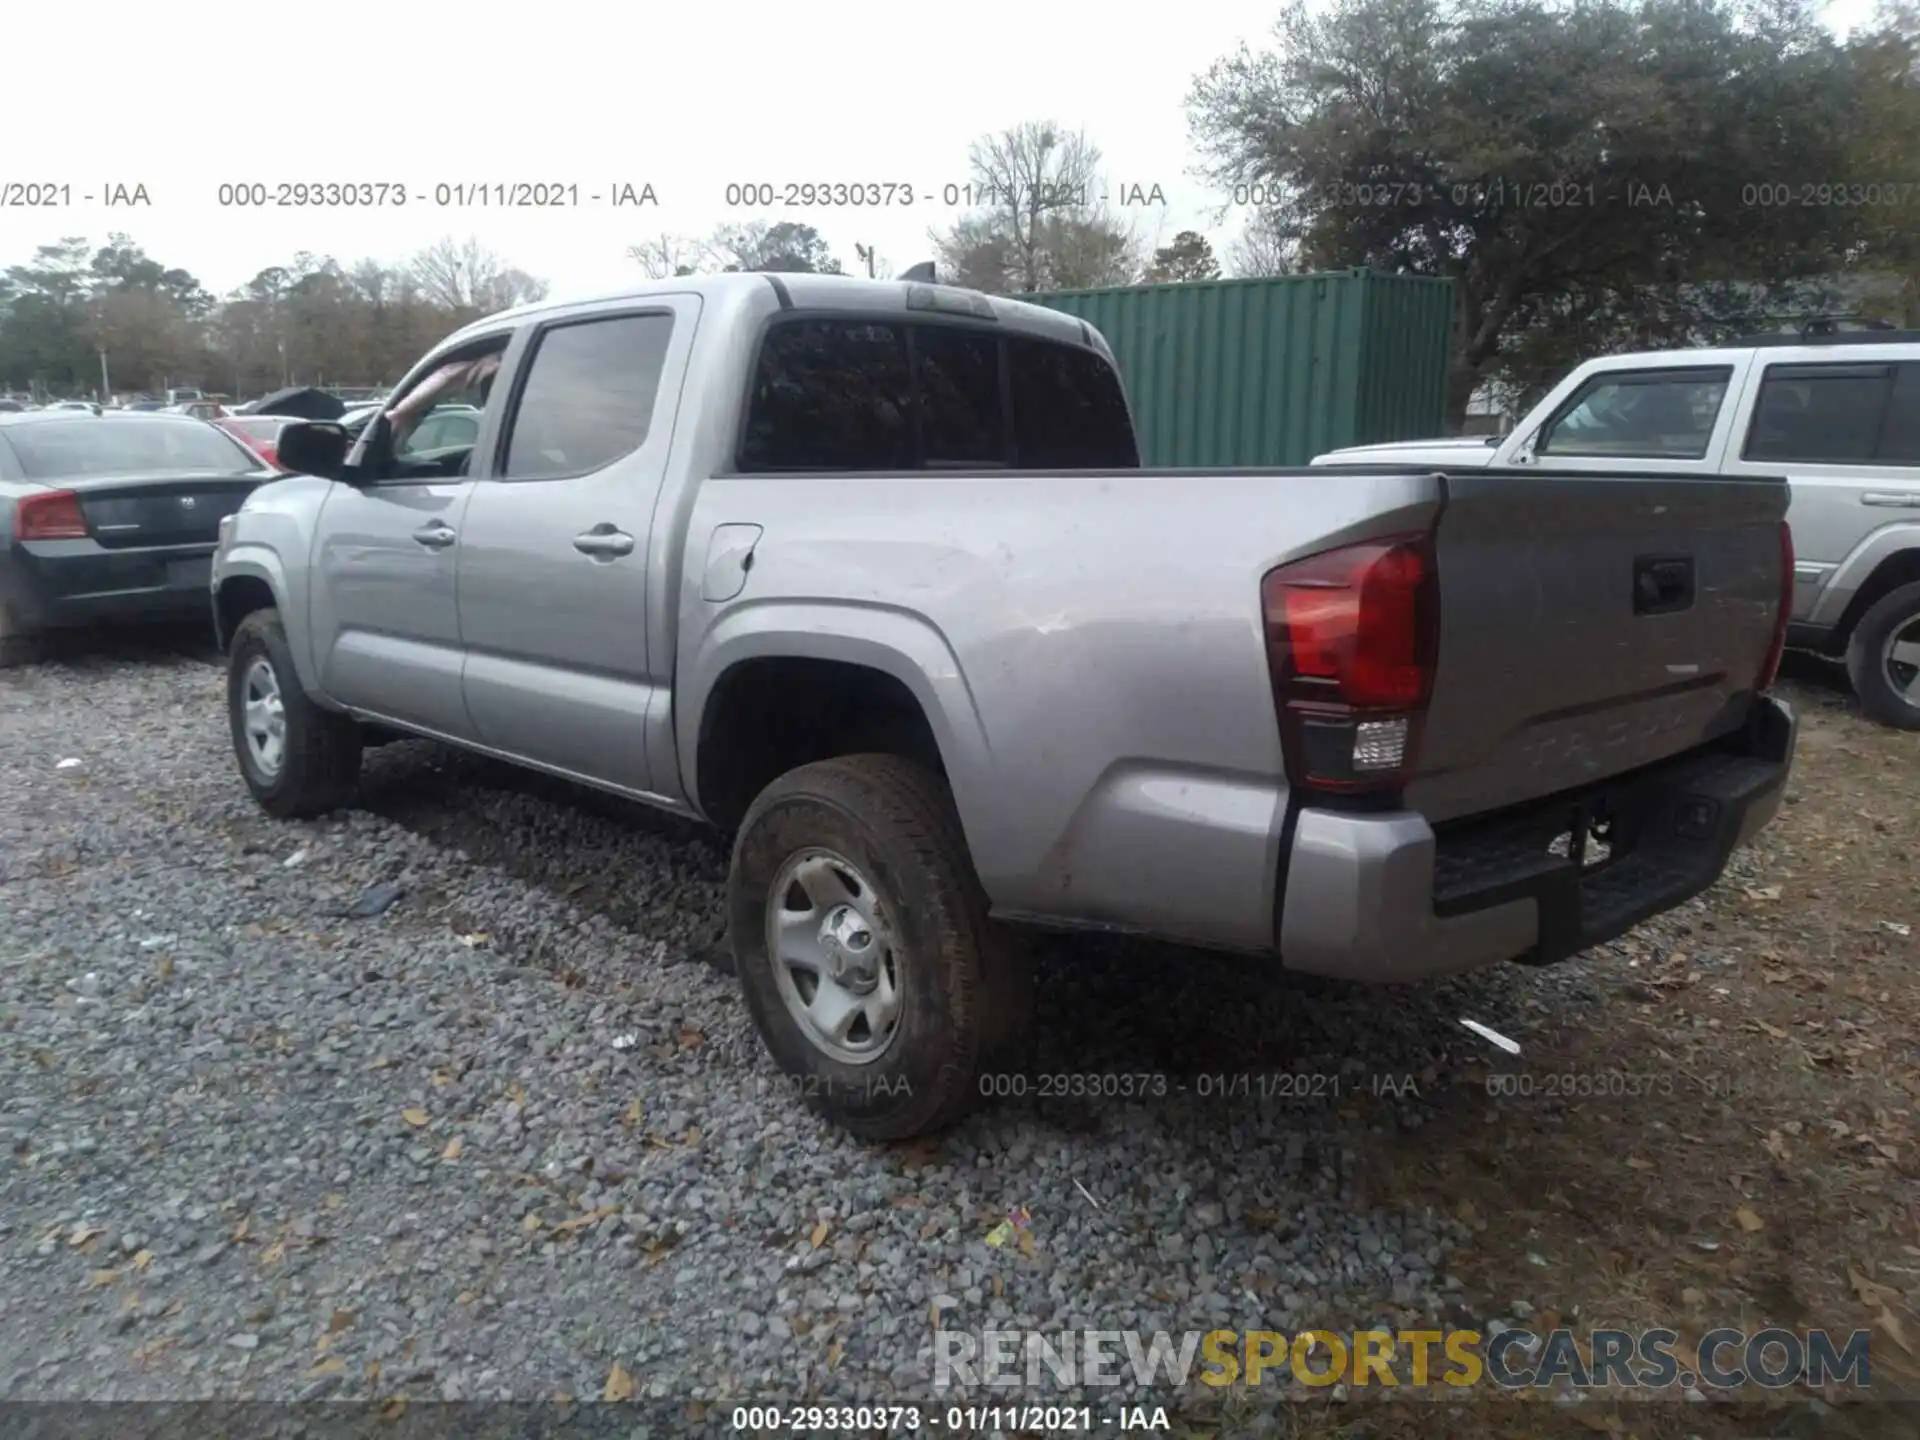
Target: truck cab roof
{"points": [[806, 291]]}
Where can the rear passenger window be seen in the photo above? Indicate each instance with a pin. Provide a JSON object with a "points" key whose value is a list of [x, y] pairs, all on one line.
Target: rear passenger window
{"points": [[588, 398], [1820, 414], [962, 420], [1069, 412], [830, 395], [1900, 436]]}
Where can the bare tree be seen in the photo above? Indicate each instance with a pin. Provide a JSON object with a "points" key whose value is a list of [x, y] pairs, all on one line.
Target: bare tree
{"points": [[466, 275], [1267, 246], [1043, 221], [667, 255], [785, 246]]}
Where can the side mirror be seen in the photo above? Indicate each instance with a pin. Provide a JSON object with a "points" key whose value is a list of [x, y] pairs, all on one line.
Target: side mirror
{"points": [[313, 447]]}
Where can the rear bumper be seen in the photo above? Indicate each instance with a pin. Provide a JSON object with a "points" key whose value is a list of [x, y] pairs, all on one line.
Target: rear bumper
{"points": [[1386, 898], [59, 584]]}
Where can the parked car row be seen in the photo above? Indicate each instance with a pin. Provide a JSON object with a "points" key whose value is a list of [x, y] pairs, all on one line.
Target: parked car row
{"points": [[869, 575]]}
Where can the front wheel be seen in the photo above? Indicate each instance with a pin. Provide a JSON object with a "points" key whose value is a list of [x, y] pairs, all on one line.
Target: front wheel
{"points": [[16, 648], [861, 939], [1883, 659], [298, 758]]}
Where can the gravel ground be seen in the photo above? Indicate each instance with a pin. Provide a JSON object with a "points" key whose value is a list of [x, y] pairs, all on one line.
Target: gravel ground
{"points": [[511, 1134]]}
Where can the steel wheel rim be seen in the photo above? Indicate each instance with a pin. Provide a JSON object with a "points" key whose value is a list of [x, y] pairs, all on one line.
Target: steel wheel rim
{"points": [[263, 718], [1900, 660], [835, 958]]}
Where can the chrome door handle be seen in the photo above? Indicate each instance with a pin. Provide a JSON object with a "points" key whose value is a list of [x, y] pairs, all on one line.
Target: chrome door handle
{"points": [[1893, 499], [604, 540], [436, 536]]}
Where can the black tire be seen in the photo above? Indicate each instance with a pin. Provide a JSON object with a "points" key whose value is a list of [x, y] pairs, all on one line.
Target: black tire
{"points": [[321, 749], [16, 648], [966, 984], [1893, 612]]}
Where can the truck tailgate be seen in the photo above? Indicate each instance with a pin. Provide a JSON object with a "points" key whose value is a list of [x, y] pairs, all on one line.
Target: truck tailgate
{"points": [[1590, 625]]}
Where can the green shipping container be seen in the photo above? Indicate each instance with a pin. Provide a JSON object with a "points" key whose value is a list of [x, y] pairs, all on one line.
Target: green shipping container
{"points": [[1276, 370]]}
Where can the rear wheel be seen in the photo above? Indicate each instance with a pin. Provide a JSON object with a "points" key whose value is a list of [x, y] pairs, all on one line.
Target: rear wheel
{"points": [[1883, 659], [861, 939], [298, 758]]}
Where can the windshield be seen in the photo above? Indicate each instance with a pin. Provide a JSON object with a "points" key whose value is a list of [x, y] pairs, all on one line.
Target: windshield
{"points": [[118, 446]]}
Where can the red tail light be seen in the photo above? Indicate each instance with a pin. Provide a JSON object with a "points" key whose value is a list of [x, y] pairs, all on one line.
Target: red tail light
{"points": [[1351, 640], [52, 516], [1770, 671]]}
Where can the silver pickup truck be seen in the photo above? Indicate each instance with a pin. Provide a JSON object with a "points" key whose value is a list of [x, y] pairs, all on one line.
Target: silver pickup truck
{"points": [[1839, 415], [867, 574]]}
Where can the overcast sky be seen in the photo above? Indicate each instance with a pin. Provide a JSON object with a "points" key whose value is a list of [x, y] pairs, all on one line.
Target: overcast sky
{"points": [[182, 99]]}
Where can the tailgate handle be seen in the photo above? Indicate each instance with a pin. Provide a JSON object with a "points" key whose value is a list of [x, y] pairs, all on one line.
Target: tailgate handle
{"points": [[1662, 584]]}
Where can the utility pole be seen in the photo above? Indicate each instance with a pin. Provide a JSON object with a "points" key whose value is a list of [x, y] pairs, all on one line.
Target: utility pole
{"points": [[106, 388], [865, 252]]}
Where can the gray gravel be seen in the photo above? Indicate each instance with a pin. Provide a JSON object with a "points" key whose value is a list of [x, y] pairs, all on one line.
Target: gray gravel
{"points": [[510, 1133]]}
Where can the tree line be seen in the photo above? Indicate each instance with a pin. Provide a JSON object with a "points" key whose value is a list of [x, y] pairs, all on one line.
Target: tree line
{"points": [[77, 317], [1594, 177]]}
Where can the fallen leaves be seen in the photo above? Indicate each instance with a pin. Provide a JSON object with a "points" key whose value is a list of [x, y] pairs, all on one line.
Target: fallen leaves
{"points": [[820, 1233], [657, 1249], [1748, 1220], [454, 1147], [1870, 1292], [619, 1384], [415, 1117], [1890, 1322], [581, 1222], [99, 1279], [83, 1233]]}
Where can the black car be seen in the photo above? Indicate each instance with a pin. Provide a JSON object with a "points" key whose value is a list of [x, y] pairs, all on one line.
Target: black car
{"points": [[107, 518]]}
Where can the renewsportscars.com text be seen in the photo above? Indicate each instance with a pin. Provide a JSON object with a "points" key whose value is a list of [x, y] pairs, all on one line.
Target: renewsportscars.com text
{"points": [[1513, 1359]]}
